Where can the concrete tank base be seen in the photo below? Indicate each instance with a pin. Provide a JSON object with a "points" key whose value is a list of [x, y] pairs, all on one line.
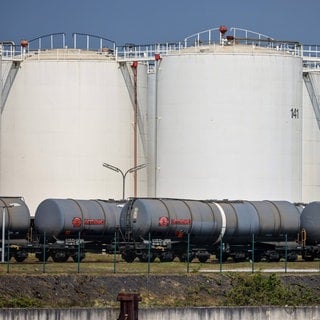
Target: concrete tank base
{"points": [[215, 313]]}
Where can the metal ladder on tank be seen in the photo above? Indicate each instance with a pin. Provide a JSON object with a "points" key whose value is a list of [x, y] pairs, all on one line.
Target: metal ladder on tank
{"points": [[7, 81], [128, 79], [308, 77]]}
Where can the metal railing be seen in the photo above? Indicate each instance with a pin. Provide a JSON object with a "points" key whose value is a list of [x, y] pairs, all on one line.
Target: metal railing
{"points": [[48, 41], [146, 52], [11, 51], [310, 53], [211, 36], [311, 56], [104, 44]]}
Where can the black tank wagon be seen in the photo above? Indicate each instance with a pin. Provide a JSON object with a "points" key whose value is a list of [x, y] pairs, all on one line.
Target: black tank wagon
{"points": [[172, 224], [163, 228]]}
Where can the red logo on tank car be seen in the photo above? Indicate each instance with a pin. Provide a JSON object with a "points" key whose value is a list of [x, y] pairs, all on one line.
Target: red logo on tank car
{"points": [[181, 221], [93, 221], [76, 222], [163, 221]]}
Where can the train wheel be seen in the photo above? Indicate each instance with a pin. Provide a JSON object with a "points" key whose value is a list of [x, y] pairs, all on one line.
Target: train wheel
{"points": [[145, 257], [203, 258], [20, 256], [257, 257], [292, 257], [75, 257], [239, 259], [128, 256], [308, 258], [223, 258], [39, 256], [273, 259], [59, 256], [166, 257], [184, 257], [6, 256], [273, 256]]}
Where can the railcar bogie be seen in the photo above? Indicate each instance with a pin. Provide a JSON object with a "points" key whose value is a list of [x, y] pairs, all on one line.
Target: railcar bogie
{"points": [[310, 253], [128, 255]]}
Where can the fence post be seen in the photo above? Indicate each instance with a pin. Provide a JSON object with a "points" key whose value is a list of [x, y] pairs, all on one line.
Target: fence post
{"points": [[188, 254], [149, 252], [220, 255], [286, 254], [252, 256], [115, 253], [8, 259], [44, 253], [79, 252]]}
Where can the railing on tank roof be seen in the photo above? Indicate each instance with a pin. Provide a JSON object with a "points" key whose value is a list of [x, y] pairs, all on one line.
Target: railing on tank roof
{"points": [[105, 44], [10, 51], [213, 35], [311, 56], [131, 51], [240, 36], [48, 41], [207, 37]]}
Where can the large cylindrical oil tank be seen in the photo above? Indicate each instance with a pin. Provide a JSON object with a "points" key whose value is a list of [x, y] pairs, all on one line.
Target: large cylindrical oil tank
{"points": [[211, 221], [310, 222], [227, 124], [68, 111], [63, 218], [17, 216]]}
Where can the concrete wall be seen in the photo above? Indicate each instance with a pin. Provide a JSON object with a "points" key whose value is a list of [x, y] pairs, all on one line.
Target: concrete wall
{"points": [[236, 313], [222, 313]]}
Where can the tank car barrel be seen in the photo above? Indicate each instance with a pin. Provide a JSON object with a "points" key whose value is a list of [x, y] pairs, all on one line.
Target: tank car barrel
{"points": [[210, 222], [16, 215], [310, 222], [61, 218]]}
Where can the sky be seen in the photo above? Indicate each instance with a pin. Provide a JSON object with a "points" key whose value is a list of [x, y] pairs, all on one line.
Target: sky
{"points": [[147, 21]]}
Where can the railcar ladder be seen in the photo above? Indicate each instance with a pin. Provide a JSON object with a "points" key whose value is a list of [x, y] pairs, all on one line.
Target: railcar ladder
{"points": [[313, 89], [128, 225]]}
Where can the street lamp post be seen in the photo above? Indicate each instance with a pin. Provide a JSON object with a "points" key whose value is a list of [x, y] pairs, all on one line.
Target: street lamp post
{"points": [[124, 174], [4, 226]]}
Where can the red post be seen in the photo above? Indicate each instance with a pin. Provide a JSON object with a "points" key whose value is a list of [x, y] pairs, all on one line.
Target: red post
{"points": [[128, 305]]}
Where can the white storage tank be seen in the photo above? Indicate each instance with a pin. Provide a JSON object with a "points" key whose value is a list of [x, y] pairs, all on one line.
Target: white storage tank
{"points": [[227, 124], [68, 111]]}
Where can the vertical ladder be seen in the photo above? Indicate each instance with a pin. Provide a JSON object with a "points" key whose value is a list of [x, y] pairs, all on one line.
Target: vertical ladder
{"points": [[310, 82], [7, 81], [128, 79]]}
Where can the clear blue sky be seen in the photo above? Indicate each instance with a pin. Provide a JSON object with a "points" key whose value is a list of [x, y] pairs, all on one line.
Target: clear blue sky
{"points": [[150, 21]]}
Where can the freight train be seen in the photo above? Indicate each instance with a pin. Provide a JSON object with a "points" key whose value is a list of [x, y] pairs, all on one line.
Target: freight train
{"points": [[163, 228]]}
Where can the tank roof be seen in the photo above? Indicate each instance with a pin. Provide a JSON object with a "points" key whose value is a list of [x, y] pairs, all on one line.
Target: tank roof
{"points": [[71, 54]]}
